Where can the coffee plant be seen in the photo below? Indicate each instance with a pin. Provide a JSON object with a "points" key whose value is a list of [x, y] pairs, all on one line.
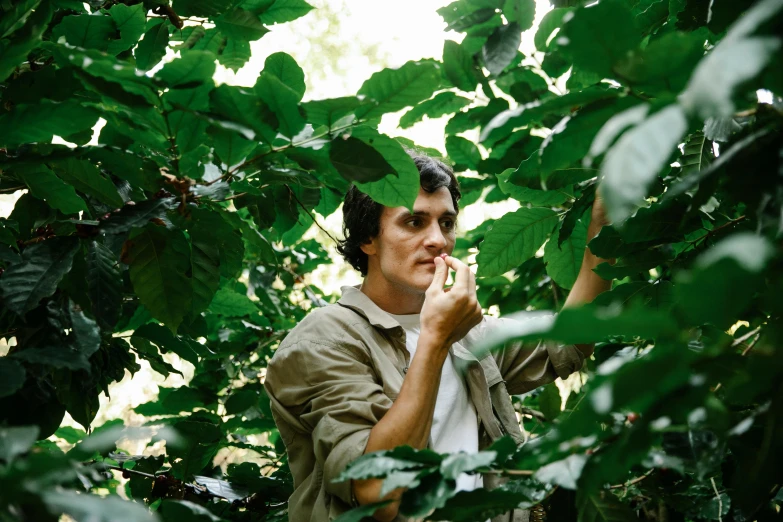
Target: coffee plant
{"points": [[172, 219]]}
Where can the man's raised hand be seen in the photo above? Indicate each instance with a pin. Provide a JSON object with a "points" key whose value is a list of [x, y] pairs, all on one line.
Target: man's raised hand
{"points": [[449, 314]]}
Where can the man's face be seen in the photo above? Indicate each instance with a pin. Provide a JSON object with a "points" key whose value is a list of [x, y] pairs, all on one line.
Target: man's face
{"points": [[404, 250]]}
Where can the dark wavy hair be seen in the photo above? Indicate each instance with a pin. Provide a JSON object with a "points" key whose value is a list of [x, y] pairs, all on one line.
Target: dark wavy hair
{"points": [[362, 215]]}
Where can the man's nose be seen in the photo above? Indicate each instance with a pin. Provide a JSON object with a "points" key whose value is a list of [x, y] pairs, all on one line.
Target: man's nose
{"points": [[435, 238]]}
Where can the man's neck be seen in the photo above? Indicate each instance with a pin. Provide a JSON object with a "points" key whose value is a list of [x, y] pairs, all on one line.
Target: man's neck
{"points": [[392, 298]]}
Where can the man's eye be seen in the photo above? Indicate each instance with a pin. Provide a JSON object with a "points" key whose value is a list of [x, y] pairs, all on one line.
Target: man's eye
{"points": [[448, 224], [414, 222]]}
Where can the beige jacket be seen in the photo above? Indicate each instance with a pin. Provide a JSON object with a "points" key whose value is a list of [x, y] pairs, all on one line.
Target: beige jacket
{"points": [[339, 371]]}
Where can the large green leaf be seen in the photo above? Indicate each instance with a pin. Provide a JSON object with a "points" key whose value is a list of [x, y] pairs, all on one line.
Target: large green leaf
{"points": [[281, 86], [242, 24], [463, 152], [632, 163], [513, 239], [201, 7], [551, 21], [591, 46], [12, 377], [393, 89], [43, 184], [130, 20], [285, 11], [158, 261], [85, 177], [42, 267], [15, 16], [235, 54], [87, 31], [104, 283], [205, 259], [502, 124], [440, 105], [229, 303], [563, 262], [391, 191], [38, 123], [152, 47], [501, 48], [531, 196], [193, 68], [358, 161], [86, 506], [14, 51], [522, 12], [739, 57], [458, 66]]}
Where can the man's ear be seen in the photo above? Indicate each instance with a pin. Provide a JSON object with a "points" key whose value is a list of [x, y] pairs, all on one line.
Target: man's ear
{"points": [[369, 248]]}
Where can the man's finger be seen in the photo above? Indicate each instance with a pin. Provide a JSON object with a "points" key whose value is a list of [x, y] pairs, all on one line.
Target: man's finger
{"points": [[471, 282], [462, 277], [441, 274]]}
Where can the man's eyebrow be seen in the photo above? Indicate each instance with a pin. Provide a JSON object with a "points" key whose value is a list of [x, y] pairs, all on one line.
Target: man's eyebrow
{"points": [[448, 213]]}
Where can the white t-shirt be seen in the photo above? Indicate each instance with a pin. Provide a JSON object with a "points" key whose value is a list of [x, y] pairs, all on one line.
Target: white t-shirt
{"points": [[454, 423]]}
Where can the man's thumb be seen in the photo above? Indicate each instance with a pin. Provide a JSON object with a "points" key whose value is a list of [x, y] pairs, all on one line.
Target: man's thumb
{"points": [[441, 274]]}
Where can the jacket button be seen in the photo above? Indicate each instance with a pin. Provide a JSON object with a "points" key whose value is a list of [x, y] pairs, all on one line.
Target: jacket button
{"points": [[405, 370]]}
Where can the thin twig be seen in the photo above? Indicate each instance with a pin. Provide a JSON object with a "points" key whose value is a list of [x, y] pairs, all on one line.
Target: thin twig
{"points": [[511, 472], [745, 337], [632, 482], [308, 290], [717, 495], [711, 232], [310, 215], [751, 345]]}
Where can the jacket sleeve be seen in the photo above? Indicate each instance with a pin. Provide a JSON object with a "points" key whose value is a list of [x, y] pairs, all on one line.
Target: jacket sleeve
{"points": [[526, 366], [329, 392]]}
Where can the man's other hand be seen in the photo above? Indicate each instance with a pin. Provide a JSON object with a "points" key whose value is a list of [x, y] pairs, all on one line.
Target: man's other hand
{"points": [[449, 314]]}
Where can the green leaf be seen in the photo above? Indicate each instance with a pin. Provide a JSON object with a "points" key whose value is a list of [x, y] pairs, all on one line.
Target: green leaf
{"points": [[104, 283], [501, 48], [391, 191], [203, 8], [92, 31], [198, 445], [456, 464], [361, 513], [592, 48], [38, 123], [183, 510], [736, 59], [528, 195], [241, 24], [502, 124], [85, 177], [235, 54], [357, 161], [563, 262], [70, 434], [393, 89], [130, 20], [442, 104], [230, 147], [84, 331], [137, 215], [281, 86], [463, 152], [549, 23], [513, 239], [285, 11], [464, 14], [211, 227], [194, 67], [158, 260], [15, 15], [15, 441], [152, 48], [205, 261], [602, 506], [549, 401], [523, 84], [632, 264], [42, 267], [458, 66], [43, 184], [14, 51], [229, 303], [91, 507], [728, 273], [564, 473], [571, 138], [523, 12], [241, 400], [167, 341], [633, 162], [12, 377]]}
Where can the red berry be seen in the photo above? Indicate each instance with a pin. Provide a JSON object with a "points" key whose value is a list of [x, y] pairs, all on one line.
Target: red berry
{"points": [[632, 417]]}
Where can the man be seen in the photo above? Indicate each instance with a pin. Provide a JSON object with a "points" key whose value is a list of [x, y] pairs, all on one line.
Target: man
{"points": [[390, 363]]}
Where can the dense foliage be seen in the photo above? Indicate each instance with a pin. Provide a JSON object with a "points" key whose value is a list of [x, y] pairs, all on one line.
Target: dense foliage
{"points": [[180, 231]]}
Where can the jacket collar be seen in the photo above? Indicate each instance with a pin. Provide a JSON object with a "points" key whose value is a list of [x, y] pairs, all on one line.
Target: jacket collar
{"points": [[357, 301]]}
